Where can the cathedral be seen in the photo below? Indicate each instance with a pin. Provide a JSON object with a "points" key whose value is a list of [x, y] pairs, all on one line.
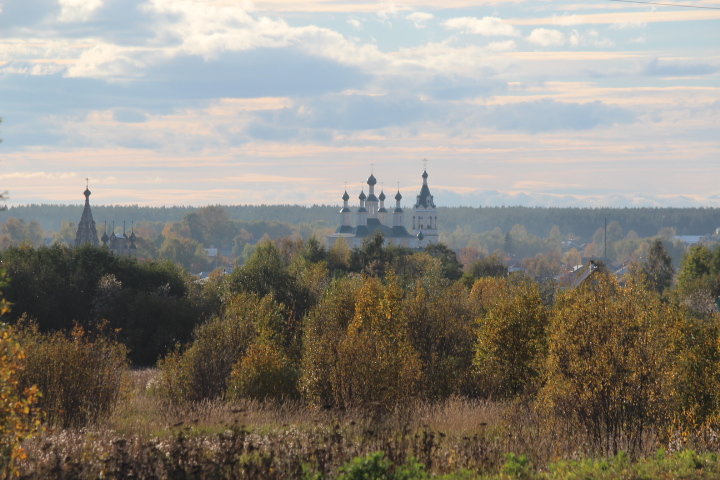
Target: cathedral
{"points": [[371, 216]]}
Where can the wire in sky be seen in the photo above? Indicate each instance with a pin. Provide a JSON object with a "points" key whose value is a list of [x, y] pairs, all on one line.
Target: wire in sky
{"points": [[668, 4]]}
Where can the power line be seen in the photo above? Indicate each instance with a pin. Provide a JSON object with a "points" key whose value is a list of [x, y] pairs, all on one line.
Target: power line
{"points": [[668, 4]]}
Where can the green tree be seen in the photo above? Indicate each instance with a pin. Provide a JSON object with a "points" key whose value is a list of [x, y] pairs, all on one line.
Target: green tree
{"points": [[186, 252], [203, 369], [657, 269], [451, 268]]}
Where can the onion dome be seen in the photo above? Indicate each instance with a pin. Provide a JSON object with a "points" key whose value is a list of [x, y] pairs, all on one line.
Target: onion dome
{"points": [[424, 175], [398, 196], [362, 196], [420, 236], [87, 192], [345, 196], [382, 196], [371, 180]]}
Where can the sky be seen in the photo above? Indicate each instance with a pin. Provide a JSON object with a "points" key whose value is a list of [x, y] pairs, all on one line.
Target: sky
{"points": [[513, 102]]}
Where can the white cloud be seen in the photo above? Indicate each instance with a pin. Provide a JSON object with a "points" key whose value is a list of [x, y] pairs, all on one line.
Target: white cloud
{"points": [[505, 46], [78, 10], [486, 26], [355, 23], [545, 37], [420, 19]]}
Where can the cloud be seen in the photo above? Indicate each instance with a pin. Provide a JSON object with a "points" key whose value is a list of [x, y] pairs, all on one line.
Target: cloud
{"points": [[486, 26], [665, 68], [550, 115], [78, 10], [545, 37], [420, 19]]}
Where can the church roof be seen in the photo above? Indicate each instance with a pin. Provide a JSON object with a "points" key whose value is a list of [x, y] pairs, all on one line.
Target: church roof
{"points": [[86, 232], [425, 199]]}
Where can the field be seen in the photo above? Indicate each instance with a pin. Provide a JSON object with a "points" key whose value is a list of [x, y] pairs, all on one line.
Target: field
{"points": [[456, 438]]}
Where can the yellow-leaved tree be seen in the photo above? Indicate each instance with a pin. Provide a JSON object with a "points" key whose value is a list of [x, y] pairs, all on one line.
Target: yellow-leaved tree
{"points": [[377, 364], [19, 419], [610, 363]]}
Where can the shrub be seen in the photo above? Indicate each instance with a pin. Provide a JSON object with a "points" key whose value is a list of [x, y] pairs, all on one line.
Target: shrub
{"points": [[511, 339], [263, 373], [79, 374], [324, 329], [610, 362], [202, 370], [377, 364]]}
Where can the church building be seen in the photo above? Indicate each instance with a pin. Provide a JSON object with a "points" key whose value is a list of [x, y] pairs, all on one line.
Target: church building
{"points": [[371, 216], [120, 244]]}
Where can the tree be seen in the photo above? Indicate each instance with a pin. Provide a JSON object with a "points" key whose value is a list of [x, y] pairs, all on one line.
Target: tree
{"points": [[377, 363], [657, 269], [186, 252], [511, 340], [324, 329], [19, 418], [609, 367], [203, 369], [451, 268]]}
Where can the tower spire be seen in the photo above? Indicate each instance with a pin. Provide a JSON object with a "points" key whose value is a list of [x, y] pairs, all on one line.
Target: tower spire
{"points": [[86, 233]]}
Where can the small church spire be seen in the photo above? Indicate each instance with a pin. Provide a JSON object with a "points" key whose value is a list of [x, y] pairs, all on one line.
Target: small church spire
{"points": [[86, 233]]}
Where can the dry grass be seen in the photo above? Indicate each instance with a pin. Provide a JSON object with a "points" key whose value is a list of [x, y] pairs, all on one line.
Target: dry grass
{"points": [[250, 439]]}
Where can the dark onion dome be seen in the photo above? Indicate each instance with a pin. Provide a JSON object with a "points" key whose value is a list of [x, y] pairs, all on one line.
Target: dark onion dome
{"points": [[398, 196], [345, 196], [362, 196], [132, 236], [371, 180], [86, 192], [420, 236], [424, 175], [382, 196]]}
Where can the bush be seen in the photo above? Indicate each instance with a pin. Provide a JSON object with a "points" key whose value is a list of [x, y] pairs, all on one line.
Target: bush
{"points": [[610, 363], [79, 374], [202, 370], [511, 339], [377, 363], [263, 373], [324, 329]]}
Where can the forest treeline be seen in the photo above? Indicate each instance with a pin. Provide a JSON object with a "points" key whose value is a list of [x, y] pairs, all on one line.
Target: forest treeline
{"points": [[506, 233], [582, 222]]}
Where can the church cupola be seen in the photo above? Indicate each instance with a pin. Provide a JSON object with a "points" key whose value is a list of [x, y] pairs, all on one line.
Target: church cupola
{"points": [[362, 214], [398, 212], [382, 211], [345, 212], [86, 232], [372, 200]]}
